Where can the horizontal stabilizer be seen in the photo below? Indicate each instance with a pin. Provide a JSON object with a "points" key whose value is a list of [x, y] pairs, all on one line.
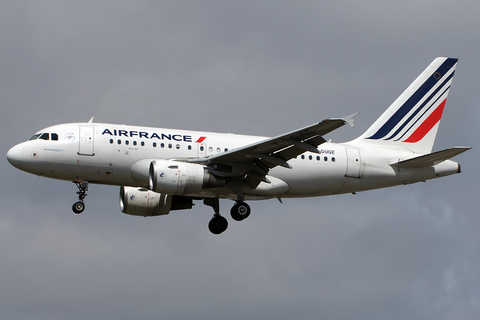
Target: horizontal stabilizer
{"points": [[430, 159]]}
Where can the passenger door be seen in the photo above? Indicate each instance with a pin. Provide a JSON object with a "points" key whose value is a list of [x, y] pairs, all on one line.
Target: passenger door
{"points": [[86, 141]]}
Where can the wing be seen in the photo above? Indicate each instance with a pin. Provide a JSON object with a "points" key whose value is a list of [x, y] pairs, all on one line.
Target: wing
{"points": [[251, 163]]}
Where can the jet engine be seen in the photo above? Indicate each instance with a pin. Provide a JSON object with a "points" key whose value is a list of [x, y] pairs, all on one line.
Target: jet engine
{"points": [[178, 178], [143, 202], [146, 203]]}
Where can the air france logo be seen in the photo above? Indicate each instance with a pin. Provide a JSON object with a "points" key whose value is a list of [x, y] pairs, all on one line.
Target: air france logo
{"points": [[148, 135], [132, 197], [162, 174]]}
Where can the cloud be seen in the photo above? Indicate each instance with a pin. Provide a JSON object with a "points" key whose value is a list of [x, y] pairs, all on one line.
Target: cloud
{"points": [[253, 68]]}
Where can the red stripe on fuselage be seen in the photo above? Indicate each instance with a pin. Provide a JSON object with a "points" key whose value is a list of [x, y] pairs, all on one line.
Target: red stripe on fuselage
{"points": [[200, 140], [427, 125]]}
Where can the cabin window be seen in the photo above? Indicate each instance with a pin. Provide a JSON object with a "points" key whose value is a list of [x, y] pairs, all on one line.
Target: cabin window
{"points": [[154, 144], [134, 143], [318, 158], [226, 149], [142, 143], [310, 157], [325, 159], [119, 141], [189, 147], [111, 141], [333, 159], [170, 146], [303, 157], [126, 142], [177, 146], [162, 145], [202, 148]]}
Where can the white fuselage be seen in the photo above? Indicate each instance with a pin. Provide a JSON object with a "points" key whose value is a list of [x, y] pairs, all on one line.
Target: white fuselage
{"points": [[119, 155]]}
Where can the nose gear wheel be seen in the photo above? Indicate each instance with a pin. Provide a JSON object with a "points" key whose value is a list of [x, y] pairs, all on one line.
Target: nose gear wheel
{"points": [[79, 206]]}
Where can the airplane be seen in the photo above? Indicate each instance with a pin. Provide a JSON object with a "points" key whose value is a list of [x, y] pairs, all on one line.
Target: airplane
{"points": [[161, 170]]}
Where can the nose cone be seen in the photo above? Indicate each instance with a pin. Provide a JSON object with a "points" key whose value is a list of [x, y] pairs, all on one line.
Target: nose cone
{"points": [[15, 156]]}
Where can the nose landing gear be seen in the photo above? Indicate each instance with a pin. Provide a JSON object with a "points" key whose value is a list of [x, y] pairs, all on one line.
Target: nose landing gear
{"points": [[79, 206]]}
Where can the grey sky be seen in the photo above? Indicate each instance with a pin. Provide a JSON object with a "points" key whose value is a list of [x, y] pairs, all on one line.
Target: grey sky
{"points": [[253, 67]]}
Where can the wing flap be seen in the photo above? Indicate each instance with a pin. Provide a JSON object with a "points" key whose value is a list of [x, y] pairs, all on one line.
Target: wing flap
{"points": [[430, 159]]}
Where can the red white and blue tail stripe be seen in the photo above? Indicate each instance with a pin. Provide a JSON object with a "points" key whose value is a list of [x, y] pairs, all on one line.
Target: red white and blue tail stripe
{"points": [[412, 120]]}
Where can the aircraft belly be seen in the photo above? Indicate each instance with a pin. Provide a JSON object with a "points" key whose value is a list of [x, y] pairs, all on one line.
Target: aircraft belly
{"points": [[275, 188], [311, 180]]}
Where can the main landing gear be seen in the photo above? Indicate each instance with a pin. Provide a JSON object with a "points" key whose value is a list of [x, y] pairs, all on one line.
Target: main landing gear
{"points": [[240, 211], [79, 206], [219, 224]]}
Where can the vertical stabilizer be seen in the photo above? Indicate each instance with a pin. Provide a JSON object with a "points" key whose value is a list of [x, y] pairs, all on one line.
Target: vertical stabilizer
{"points": [[411, 122]]}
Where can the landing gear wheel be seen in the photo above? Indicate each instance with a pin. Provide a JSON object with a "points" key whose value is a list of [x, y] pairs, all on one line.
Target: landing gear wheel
{"points": [[218, 224], [78, 207], [240, 211]]}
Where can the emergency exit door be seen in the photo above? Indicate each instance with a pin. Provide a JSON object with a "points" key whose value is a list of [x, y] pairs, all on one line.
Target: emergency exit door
{"points": [[353, 163]]}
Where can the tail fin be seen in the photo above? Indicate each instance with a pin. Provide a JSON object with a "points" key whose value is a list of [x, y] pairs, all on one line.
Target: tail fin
{"points": [[411, 122]]}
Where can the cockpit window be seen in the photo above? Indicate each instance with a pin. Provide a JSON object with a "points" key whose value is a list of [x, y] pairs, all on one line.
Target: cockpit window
{"points": [[45, 136], [35, 137]]}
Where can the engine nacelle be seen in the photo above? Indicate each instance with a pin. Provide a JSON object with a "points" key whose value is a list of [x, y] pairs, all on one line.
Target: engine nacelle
{"points": [[146, 203], [143, 202], [177, 178]]}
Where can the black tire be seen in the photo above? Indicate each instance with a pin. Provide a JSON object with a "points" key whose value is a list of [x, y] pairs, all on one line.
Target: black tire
{"points": [[240, 211], [78, 207], [218, 225]]}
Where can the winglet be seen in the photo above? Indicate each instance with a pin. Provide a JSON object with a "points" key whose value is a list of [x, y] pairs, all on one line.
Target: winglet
{"points": [[348, 119], [351, 119]]}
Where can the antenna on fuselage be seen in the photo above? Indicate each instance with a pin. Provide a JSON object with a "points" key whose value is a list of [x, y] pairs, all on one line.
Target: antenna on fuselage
{"points": [[91, 120]]}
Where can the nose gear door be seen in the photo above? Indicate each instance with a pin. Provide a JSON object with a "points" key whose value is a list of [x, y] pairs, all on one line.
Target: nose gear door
{"points": [[86, 141]]}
